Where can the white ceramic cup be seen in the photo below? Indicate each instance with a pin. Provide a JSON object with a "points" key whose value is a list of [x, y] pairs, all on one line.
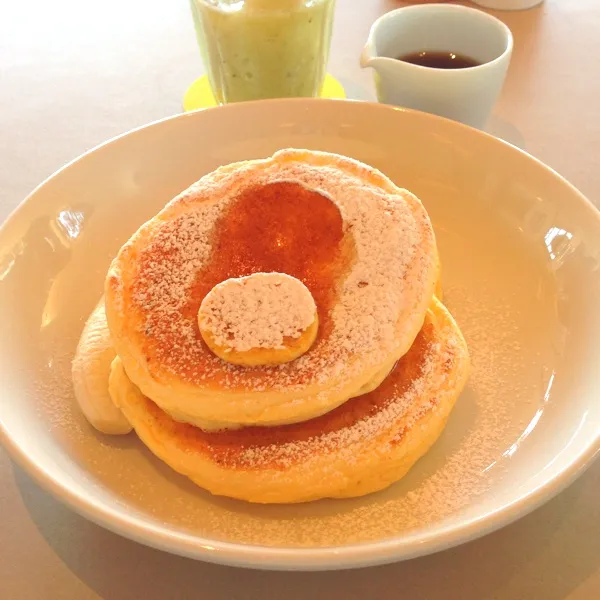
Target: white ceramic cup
{"points": [[467, 95]]}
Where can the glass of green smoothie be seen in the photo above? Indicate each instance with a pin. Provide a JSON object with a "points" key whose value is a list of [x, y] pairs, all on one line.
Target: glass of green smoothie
{"points": [[254, 49]]}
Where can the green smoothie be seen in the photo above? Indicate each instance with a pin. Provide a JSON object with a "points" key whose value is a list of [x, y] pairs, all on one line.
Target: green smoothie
{"points": [[255, 49]]}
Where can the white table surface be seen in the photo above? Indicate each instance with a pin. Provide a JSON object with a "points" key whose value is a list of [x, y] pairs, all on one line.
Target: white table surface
{"points": [[73, 74]]}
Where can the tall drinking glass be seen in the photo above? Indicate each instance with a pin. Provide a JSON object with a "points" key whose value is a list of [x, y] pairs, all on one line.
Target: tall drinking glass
{"points": [[254, 49]]}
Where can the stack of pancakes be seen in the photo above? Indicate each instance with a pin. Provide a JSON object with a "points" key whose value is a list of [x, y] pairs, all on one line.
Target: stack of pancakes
{"points": [[275, 334]]}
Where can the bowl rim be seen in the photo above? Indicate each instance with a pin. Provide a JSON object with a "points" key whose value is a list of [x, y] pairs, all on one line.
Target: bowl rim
{"points": [[321, 558]]}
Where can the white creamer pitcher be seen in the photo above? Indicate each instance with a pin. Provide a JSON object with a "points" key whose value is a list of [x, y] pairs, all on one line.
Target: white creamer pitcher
{"points": [[467, 95]]}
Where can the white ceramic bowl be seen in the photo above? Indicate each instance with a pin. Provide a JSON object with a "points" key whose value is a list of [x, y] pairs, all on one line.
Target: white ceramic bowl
{"points": [[520, 249]]}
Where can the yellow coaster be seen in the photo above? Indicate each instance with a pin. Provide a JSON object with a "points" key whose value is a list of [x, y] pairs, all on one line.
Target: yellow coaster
{"points": [[199, 94]]}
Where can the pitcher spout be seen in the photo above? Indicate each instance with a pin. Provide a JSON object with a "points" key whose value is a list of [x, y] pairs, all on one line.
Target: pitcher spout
{"points": [[381, 64], [368, 55]]}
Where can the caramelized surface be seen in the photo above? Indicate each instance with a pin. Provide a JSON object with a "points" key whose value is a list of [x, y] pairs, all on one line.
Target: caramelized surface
{"points": [[276, 227], [279, 227]]}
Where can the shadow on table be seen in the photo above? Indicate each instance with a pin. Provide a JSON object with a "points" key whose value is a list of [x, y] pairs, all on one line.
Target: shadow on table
{"points": [[506, 131], [509, 564]]}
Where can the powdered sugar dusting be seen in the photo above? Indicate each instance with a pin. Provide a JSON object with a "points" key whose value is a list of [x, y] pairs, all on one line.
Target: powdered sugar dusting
{"points": [[410, 406], [258, 311], [382, 283], [178, 249]]}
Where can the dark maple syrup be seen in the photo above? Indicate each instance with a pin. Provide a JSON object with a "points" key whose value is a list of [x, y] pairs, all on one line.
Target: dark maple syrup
{"points": [[440, 60]]}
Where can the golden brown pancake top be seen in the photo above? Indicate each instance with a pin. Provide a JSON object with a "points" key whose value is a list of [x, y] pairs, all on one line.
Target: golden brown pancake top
{"points": [[280, 226], [364, 248]]}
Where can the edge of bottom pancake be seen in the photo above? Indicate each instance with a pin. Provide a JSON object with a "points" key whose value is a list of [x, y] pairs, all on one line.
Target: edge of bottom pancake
{"points": [[372, 464]]}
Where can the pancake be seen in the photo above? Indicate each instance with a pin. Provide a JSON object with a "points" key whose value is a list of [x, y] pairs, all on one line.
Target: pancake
{"points": [[363, 247], [362, 446], [91, 369]]}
